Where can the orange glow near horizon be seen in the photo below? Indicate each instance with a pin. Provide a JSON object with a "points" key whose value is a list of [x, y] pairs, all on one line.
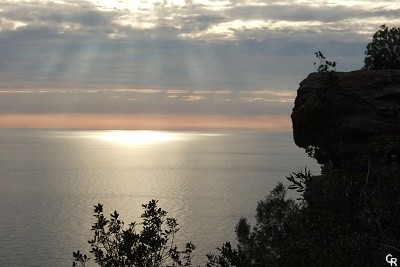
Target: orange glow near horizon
{"points": [[140, 121]]}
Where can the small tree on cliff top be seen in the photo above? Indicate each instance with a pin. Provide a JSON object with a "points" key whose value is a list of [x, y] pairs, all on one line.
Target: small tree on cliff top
{"points": [[384, 50]]}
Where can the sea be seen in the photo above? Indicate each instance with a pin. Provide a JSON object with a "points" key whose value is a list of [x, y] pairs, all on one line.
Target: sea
{"points": [[50, 181]]}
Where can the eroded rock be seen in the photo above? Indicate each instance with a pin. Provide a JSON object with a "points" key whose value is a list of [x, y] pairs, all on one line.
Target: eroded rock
{"points": [[342, 119]]}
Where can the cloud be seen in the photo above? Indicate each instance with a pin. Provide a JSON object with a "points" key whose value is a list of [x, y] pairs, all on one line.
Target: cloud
{"points": [[193, 98], [205, 20], [74, 16], [175, 57]]}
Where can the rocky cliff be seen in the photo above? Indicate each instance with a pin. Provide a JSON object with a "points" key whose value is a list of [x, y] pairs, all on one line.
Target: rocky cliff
{"points": [[342, 118]]}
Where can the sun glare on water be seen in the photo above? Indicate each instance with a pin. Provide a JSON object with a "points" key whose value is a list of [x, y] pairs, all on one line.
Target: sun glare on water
{"points": [[139, 137]]}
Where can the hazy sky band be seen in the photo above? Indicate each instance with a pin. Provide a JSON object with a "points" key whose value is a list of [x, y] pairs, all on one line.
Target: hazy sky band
{"points": [[140, 121], [196, 57], [161, 101]]}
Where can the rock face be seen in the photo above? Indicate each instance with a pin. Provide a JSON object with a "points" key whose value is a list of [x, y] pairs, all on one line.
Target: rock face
{"points": [[342, 118]]}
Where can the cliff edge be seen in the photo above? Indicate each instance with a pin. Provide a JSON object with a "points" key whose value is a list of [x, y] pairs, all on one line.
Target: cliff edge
{"points": [[337, 121]]}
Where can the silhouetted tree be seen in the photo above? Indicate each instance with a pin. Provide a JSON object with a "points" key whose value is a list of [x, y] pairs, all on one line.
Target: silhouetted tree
{"points": [[343, 218], [112, 245], [270, 241], [384, 50]]}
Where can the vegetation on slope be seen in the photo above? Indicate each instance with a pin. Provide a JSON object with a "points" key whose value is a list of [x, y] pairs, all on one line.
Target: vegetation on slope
{"points": [[343, 217]]}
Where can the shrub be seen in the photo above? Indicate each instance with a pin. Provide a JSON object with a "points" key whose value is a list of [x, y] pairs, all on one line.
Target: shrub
{"points": [[384, 50], [112, 245], [268, 243], [343, 217]]}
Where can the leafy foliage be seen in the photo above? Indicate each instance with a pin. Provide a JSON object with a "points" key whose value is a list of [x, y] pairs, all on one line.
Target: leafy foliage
{"points": [[344, 218], [327, 68], [384, 50], [324, 66], [112, 245], [266, 244], [299, 180]]}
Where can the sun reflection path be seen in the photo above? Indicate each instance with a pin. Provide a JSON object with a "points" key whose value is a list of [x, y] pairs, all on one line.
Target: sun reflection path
{"points": [[142, 137]]}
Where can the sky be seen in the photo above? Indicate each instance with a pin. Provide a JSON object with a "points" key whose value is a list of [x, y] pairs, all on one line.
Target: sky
{"points": [[172, 64]]}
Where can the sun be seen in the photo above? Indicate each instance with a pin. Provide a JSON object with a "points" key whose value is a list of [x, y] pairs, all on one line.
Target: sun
{"points": [[142, 137]]}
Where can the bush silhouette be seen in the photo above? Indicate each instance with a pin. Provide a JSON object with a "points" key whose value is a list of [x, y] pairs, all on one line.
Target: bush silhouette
{"points": [[384, 50], [343, 217], [112, 245]]}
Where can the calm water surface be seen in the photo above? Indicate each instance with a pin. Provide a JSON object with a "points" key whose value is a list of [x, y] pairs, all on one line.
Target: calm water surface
{"points": [[50, 180]]}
